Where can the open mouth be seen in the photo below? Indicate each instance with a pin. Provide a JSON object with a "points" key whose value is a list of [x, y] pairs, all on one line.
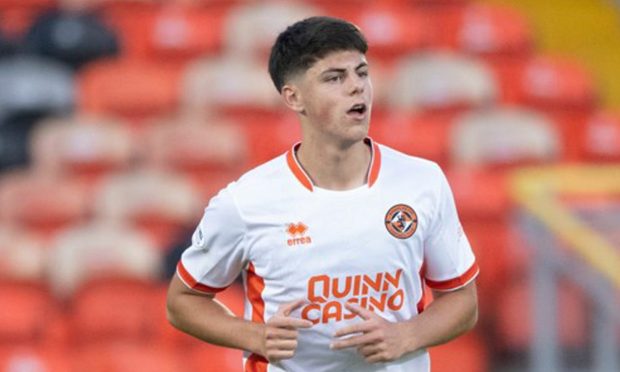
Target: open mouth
{"points": [[358, 109]]}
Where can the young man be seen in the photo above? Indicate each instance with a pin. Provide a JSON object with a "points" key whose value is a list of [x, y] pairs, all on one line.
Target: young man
{"points": [[335, 239]]}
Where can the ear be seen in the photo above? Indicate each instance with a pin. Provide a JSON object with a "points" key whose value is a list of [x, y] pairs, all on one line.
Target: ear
{"points": [[292, 98]]}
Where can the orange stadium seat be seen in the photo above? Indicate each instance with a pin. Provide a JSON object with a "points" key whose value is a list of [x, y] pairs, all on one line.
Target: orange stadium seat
{"points": [[270, 138], [100, 250], [486, 30], [23, 255], [114, 309], [250, 29], [464, 354], [169, 33], [423, 134], [601, 141], [504, 136], [16, 359], [85, 146], [158, 203], [29, 315], [231, 85], [18, 15], [391, 30], [196, 145], [129, 88], [441, 82], [44, 203], [127, 357]]}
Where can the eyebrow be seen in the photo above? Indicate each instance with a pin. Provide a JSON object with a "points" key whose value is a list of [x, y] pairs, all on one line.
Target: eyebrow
{"points": [[341, 70]]}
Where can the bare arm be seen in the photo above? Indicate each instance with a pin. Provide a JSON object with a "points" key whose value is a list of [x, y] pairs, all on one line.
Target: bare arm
{"points": [[449, 315], [202, 316]]}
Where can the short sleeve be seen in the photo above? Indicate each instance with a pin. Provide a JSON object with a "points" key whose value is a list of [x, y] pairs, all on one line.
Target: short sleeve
{"points": [[216, 255], [449, 261]]}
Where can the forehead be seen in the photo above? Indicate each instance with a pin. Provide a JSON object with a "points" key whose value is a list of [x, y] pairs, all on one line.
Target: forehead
{"points": [[342, 59]]}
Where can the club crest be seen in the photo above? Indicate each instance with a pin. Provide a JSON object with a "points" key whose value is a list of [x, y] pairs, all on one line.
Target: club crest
{"points": [[401, 221]]}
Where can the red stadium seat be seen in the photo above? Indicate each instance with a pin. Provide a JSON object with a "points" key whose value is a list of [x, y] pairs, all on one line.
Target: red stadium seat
{"points": [[128, 88], [42, 202], [88, 147], [23, 255], [158, 203], [270, 138], [18, 15], [504, 137], [464, 354], [424, 135], [29, 315], [16, 359], [391, 30], [100, 250], [170, 32], [601, 141], [127, 357], [196, 146], [114, 309], [441, 82], [486, 30]]}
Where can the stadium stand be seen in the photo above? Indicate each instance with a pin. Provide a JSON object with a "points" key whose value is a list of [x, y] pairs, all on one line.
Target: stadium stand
{"points": [[121, 136]]}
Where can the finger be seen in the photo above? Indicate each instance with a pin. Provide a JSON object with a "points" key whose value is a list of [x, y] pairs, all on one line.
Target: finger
{"points": [[352, 342], [286, 308], [281, 334], [278, 355], [281, 344], [291, 323], [358, 310], [368, 350], [354, 328], [375, 358]]}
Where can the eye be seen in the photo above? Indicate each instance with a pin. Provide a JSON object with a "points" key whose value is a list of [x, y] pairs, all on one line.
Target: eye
{"points": [[363, 73], [334, 78]]}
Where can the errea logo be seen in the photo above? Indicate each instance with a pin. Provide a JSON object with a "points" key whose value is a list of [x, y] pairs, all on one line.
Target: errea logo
{"points": [[297, 234]]}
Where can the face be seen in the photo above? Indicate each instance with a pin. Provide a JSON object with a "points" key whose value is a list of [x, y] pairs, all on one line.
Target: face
{"points": [[334, 96]]}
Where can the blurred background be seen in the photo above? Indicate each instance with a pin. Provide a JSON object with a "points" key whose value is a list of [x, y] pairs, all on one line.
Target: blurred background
{"points": [[119, 119]]}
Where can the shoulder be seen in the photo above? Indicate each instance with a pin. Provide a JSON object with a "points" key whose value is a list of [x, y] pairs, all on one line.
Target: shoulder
{"points": [[404, 167]]}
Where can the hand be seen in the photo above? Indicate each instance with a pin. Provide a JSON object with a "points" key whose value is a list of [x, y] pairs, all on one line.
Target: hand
{"points": [[376, 339], [281, 331]]}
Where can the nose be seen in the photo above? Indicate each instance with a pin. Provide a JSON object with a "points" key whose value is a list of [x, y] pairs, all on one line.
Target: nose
{"points": [[358, 84]]}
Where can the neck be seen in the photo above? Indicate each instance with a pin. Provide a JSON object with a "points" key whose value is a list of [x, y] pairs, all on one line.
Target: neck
{"points": [[335, 166]]}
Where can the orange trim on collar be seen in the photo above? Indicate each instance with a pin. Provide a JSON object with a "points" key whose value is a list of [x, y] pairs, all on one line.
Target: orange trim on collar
{"points": [[296, 168], [304, 179]]}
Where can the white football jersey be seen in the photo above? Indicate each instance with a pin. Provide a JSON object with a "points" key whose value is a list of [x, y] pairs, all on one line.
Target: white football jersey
{"points": [[375, 245]]}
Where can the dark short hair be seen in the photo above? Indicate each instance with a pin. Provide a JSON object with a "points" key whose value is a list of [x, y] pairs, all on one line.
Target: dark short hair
{"points": [[299, 46]]}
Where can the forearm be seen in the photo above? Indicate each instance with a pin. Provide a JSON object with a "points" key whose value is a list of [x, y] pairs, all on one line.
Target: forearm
{"points": [[448, 316], [209, 320]]}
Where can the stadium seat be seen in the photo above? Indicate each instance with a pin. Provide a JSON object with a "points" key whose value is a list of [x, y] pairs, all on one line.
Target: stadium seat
{"points": [[504, 136], [441, 81], [85, 146], [35, 85], [127, 357], [391, 30], [71, 33], [41, 202], [17, 15], [270, 138], [601, 141], [29, 315], [250, 29], [128, 88], [487, 31], [35, 359], [172, 32], [100, 250], [195, 143], [114, 308], [23, 255], [158, 203], [230, 85], [464, 354], [423, 134]]}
